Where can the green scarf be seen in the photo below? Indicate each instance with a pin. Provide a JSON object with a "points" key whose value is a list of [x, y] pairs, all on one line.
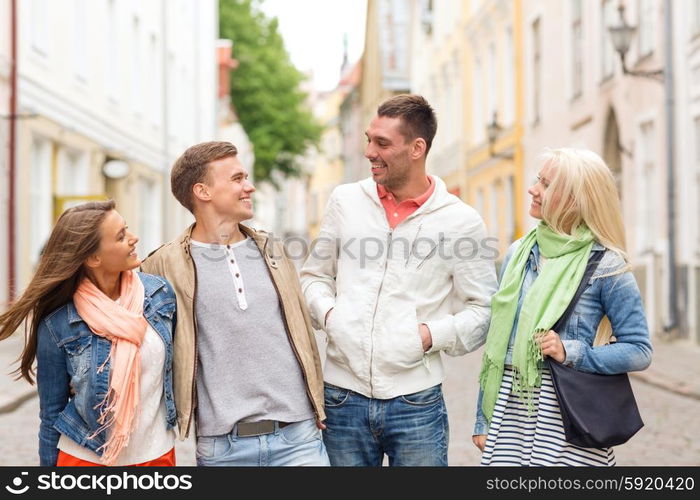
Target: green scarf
{"points": [[543, 305]]}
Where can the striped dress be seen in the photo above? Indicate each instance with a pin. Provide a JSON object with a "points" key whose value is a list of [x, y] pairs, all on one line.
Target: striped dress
{"points": [[516, 439]]}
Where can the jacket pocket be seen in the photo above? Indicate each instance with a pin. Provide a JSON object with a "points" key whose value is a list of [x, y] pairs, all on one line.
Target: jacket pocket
{"points": [[167, 310], [79, 351], [345, 340], [402, 347], [164, 315], [571, 332]]}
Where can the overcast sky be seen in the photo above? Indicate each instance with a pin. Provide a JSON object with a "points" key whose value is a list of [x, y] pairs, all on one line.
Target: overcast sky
{"points": [[313, 34]]}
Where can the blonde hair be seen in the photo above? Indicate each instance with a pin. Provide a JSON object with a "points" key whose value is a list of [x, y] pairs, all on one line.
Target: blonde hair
{"points": [[582, 190]]}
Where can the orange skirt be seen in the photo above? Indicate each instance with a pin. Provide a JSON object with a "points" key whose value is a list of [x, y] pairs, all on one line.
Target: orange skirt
{"points": [[67, 460]]}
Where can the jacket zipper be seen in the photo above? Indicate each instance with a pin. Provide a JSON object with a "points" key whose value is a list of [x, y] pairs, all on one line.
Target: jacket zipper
{"points": [[194, 365], [289, 335], [376, 306], [413, 246], [432, 252]]}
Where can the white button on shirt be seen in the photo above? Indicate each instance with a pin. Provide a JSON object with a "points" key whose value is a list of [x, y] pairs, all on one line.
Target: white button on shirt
{"points": [[232, 267]]}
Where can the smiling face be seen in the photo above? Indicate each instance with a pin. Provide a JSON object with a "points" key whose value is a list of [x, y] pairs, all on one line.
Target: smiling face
{"points": [[538, 190], [388, 152], [117, 251], [228, 190]]}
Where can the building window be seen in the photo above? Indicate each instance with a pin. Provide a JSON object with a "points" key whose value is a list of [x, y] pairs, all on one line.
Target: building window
{"points": [[149, 216], [576, 49], [313, 209], [154, 98], [510, 209], [646, 27], [478, 103], [494, 208], [80, 42], [40, 198], [427, 16], [137, 72], [694, 17], [112, 73], [697, 174], [607, 51], [646, 201], [40, 26], [456, 91], [536, 71], [73, 173], [493, 82], [480, 203], [509, 79], [448, 108]]}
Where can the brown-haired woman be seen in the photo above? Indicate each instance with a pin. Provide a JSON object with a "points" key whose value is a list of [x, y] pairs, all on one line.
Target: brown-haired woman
{"points": [[101, 334]]}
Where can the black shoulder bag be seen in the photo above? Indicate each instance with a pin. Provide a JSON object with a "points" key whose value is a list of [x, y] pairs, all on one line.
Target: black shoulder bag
{"points": [[598, 411]]}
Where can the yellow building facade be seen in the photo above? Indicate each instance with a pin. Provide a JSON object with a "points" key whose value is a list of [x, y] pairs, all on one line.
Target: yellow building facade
{"points": [[438, 73], [386, 59], [327, 162], [493, 116]]}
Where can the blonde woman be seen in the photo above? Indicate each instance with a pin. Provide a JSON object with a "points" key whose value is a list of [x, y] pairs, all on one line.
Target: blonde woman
{"points": [[518, 420]]}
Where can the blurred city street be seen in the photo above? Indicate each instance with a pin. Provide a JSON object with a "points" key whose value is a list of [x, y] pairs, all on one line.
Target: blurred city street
{"points": [[99, 99], [668, 438]]}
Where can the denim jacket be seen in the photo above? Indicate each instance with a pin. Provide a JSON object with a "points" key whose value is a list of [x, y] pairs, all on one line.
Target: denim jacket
{"points": [[607, 293], [69, 355]]}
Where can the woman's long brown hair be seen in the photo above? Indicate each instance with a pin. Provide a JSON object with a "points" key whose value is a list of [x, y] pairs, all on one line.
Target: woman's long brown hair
{"points": [[75, 237]]}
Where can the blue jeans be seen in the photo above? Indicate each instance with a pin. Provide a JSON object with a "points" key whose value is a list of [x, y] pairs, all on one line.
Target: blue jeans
{"points": [[412, 429], [296, 444]]}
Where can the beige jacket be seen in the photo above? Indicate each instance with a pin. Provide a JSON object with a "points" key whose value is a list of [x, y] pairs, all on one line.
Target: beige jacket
{"points": [[174, 262]]}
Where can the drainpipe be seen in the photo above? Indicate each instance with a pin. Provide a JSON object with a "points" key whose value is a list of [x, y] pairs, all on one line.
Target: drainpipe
{"points": [[165, 188], [11, 278], [669, 82]]}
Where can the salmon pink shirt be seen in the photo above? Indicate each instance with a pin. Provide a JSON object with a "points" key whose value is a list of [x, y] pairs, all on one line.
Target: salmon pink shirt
{"points": [[397, 212]]}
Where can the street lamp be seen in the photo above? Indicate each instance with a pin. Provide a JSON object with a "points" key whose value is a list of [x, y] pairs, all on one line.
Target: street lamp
{"points": [[493, 130], [115, 169], [621, 36]]}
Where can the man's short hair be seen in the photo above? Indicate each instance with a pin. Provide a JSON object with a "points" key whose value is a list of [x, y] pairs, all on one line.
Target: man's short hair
{"points": [[193, 167], [417, 116]]}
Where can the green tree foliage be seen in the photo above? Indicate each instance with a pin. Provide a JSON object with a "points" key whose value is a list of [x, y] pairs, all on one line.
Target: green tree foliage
{"points": [[265, 90]]}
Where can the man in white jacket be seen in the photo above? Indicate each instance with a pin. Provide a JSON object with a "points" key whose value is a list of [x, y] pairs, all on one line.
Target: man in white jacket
{"points": [[401, 271]]}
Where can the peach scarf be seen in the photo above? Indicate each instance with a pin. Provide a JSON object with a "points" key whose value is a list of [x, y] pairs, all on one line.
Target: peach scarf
{"points": [[125, 327]]}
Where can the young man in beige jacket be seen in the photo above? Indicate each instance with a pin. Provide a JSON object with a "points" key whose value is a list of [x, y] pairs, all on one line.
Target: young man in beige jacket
{"points": [[245, 357]]}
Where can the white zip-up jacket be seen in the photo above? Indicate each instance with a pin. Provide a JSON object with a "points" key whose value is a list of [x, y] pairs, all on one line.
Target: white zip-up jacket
{"points": [[436, 267]]}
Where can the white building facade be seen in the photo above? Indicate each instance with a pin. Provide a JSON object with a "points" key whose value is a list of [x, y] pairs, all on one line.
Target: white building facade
{"points": [[437, 44], [5, 61], [686, 43], [577, 95], [110, 80]]}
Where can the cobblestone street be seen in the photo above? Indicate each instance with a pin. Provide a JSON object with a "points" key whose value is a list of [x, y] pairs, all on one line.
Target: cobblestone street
{"points": [[668, 438]]}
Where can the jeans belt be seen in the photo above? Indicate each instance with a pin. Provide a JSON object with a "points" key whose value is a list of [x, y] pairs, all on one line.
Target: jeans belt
{"points": [[260, 428]]}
